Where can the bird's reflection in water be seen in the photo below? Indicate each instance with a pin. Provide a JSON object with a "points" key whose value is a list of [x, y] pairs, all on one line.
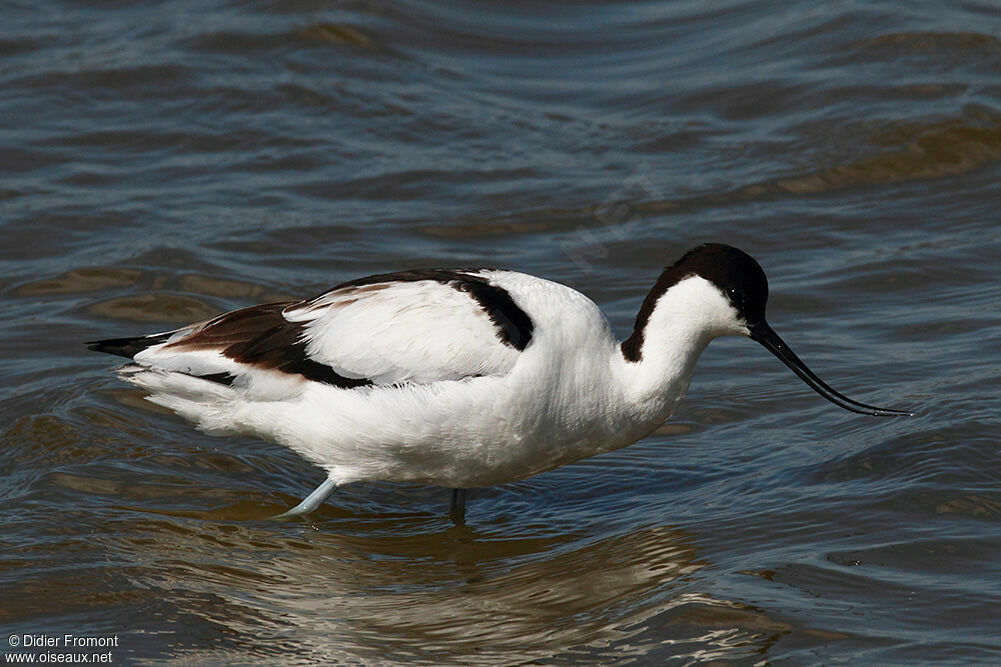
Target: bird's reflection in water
{"points": [[420, 589]]}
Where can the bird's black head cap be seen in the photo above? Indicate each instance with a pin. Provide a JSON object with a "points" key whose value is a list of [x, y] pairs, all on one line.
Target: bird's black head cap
{"points": [[732, 270]]}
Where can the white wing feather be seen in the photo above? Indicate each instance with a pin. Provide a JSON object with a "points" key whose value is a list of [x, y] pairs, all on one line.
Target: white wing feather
{"points": [[419, 331]]}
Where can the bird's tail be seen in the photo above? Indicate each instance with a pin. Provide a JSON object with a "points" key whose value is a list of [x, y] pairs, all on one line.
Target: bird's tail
{"points": [[128, 347]]}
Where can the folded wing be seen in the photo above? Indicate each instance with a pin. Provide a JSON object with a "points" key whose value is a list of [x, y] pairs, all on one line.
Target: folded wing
{"points": [[410, 327]]}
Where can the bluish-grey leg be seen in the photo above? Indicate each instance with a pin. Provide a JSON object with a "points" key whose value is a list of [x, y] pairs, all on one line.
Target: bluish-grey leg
{"points": [[311, 502], [457, 510]]}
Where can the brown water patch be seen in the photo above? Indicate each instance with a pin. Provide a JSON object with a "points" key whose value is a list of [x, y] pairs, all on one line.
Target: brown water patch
{"points": [[238, 510], [154, 307], [81, 280], [35, 437], [674, 428], [929, 42], [227, 288], [117, 422], [536, 221], [944, 149], [970, 505], [335, 33], [66, 592], [114, 487]]}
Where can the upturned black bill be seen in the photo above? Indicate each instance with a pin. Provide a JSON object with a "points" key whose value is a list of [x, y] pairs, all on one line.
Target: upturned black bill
{"points": [[764, 334]]}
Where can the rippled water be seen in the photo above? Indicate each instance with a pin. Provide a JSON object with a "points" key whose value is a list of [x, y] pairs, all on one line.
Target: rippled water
{"points": [[161, 162]]}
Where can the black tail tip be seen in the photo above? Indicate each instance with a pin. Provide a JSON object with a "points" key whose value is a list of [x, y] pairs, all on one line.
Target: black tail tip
{"points": [[122, 347], [126, 347]]}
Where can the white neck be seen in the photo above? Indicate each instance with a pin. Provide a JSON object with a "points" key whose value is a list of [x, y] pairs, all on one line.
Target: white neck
{"points": [[684, 320]]}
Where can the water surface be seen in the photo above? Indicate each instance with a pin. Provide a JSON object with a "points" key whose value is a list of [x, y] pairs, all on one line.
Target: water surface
{"points": [[163, 162]]}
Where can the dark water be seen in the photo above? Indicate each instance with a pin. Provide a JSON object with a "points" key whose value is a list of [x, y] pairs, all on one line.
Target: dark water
{"points": [[161, 162]]}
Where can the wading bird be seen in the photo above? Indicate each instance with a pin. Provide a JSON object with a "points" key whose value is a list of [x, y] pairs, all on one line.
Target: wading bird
{"points": [[455, 377]]}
